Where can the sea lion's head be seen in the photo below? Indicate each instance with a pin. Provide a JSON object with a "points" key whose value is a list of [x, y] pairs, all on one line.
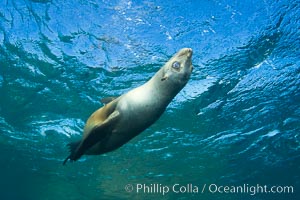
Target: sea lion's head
{"points": [[179, 68]]}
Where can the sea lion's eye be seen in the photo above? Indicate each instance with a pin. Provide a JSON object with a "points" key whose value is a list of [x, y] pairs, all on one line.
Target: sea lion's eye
{"points": [[176, 65]]}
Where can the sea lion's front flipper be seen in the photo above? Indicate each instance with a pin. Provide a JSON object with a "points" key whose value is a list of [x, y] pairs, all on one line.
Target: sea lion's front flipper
{"points": [[107, 100], [97, 134]]}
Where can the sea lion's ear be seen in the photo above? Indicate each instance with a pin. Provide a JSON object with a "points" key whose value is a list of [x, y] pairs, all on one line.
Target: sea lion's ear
{"points": [[165, 77]]}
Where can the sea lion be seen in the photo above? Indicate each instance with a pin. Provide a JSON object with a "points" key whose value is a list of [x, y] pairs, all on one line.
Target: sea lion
{"points": [[124, 117]]}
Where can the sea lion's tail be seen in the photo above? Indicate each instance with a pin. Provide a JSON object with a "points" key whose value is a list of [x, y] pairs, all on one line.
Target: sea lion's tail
{"points": [[72, 148]]}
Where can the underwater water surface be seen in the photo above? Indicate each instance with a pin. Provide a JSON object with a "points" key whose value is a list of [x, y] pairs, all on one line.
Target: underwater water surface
{"points": [[236, 123]]}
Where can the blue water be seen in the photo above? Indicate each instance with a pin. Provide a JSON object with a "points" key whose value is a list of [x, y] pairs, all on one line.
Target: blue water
{"points": [[237, 121]]}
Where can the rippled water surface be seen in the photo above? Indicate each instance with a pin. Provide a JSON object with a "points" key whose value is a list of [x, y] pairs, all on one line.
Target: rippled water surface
{"points": [[236, 123]]}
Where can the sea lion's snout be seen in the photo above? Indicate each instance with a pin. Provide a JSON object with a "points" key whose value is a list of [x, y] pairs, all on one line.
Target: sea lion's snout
{"points": [[186, 52], [189, 51]]}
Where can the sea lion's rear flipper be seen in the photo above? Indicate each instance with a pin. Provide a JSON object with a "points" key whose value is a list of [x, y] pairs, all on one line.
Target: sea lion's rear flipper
{"points": [[97, 134], [72, 147]]}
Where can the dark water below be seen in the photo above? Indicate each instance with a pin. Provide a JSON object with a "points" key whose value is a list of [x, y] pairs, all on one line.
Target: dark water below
{"points": [[236, 123]]}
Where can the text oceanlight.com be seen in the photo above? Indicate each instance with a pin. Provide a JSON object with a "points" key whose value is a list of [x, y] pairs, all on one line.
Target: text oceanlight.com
{"points": [[207, 188]]}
